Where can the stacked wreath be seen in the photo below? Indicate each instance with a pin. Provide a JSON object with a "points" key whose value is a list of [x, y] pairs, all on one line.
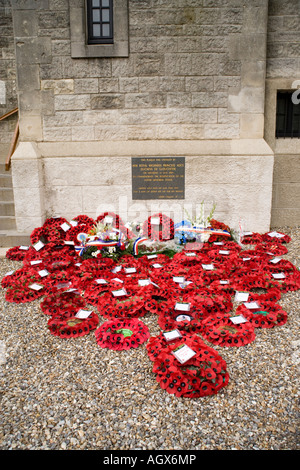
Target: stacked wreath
{"points": [[127, 305], [251, 239], [268, 315], [27, 286], [71, 326], [158, 344], [16, 253], [203, 374], [163, 231], [122, 334], [58, 303], [271, 249], [279, 237], [220, 330], [51, 231]]}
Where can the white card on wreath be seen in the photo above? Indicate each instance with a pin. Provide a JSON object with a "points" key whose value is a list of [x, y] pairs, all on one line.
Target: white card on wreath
{"points": [[119, 293], [171, 335], [208, 267], [183, 307], [144, 282], [43, 272], [183, 353], [130, 270], [178, 279], [65, 226], [83, 313], [241, 296], [238, 319], [39, 245], [155, 221], [252, 305], [275, 260], [35, 286], [278, 275]]}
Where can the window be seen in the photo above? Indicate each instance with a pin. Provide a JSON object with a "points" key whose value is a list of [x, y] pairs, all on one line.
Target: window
{"points": [[99, 28], [100, 21], [287, 115]]}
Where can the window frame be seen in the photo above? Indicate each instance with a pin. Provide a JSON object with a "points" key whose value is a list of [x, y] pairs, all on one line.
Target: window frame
{"points": [[288, 114], [80, 47], [101, 39]]}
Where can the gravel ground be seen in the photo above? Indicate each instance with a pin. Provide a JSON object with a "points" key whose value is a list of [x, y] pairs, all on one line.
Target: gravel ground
{"points": [[67, 394]]}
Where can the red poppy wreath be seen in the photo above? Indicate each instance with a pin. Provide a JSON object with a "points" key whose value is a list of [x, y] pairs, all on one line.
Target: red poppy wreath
{"points": [[168, 340], [263, 314], [62, 302], [159, 227], [121, 304], [122, 334], [203, 374], [73, 326], [16, 253], [222, 331]]}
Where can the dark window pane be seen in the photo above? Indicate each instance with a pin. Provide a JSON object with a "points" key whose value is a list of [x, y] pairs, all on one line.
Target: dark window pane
{"points": [[100, 21], [287, 116]]}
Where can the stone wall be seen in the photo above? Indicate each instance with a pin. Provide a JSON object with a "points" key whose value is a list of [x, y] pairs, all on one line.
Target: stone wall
{"points": [[8, 92], [283, 73], [195, 70], [193, 85]]}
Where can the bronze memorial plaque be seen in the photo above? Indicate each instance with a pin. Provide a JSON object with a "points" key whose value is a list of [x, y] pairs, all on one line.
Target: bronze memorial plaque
{"points": [[158, 177]]}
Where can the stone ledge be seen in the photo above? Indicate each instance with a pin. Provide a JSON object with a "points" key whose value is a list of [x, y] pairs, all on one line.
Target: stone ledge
{"points": [[155, 147]]}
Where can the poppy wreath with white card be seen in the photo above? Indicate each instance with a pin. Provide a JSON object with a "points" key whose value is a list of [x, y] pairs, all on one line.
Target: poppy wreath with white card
{"points": [[251, 238], [167, 340], [26, 288], [179, 313], [59, 302], [263, 314], [16, 253], [72, 326], [203, 373], [221, 330], [121, 303], [286, 282], [279, 237], [271, 249]]}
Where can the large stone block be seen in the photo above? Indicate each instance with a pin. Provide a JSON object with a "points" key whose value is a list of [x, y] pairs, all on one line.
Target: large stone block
{"points": [[108, 101]]}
